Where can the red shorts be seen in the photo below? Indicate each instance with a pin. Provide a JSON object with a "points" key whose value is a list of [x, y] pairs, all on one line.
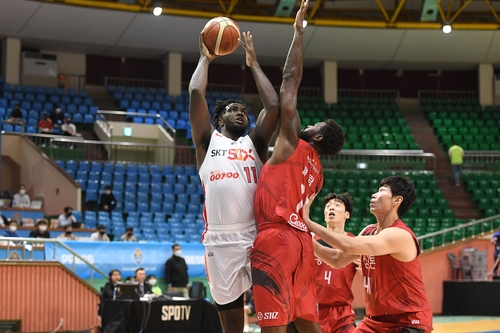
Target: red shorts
{"points": [[337, 319], [283, 267], [368, 325]]}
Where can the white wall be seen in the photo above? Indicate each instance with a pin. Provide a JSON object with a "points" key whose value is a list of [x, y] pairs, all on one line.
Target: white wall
{"points": [[69, 63]]}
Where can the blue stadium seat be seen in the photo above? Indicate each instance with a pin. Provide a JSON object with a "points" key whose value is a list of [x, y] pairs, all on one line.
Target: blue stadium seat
{"points": [[179, 189], [77, 118], [108, 167], [144, 177], [93, 185], [106, 177], [190, 170], [130, 196], [142, 198], [82, 174], [120, 167], [178, 170], [129, 207], [180, 238], [156, 196], [166, 170], [119, 177], [95, 176], [170, 179], [142, 207], [61, 163], [118, 187], [167, 188], [180, 208], [132, 177], [156, 187], [167, 207], [88, 119], [84, 166], [78, 215]]}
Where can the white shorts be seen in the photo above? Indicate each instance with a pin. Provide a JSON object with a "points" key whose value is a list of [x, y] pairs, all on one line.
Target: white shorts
{"points": [[227, 259]]}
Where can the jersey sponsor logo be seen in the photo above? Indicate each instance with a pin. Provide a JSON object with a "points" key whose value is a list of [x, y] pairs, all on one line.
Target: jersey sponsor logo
{"points": [[267, 315], [235, 154], [240, 155], [294, 221], [318, 261], [220, 175], [210, 254], [175, 312], [369, 262], [415, 322], [312, 163]]}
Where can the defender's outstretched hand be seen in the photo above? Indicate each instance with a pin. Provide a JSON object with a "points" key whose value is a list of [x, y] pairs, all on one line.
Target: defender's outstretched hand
{"points": [[301, 13], [251, 57], [204, 50]]}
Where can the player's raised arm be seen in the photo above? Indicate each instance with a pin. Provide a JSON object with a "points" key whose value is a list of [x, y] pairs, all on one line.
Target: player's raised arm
{"points": [[267, 121], [288, 136], [199, 115]]}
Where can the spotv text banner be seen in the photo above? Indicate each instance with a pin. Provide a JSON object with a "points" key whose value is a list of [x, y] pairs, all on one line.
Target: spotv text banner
{"points": [[127, 257]]}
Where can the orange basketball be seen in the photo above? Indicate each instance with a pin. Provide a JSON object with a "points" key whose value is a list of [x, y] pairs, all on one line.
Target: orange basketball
{"points": [[220, 35]]}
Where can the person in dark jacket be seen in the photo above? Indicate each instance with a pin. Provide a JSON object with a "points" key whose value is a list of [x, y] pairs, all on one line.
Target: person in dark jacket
{"points": [[176, 272], [107, 201], [41, 230], [108, 291]]}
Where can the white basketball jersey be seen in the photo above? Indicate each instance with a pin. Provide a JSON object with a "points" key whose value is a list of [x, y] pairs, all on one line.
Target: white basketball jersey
{"points": [[229, 176]]}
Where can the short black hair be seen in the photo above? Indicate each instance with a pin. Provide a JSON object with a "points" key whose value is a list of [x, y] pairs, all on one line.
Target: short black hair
{"points": [[333, 138], [150, 276], [67, 208], [129, 229], [220, 107], [173, 246], [11, 221], [344, 197], [101, 226], [139, 269], [107, 187], [42, 222], [401, 186]]}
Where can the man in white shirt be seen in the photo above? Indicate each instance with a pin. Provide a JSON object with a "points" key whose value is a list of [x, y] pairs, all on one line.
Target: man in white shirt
{"points": [[100, 235], [66, 218], [68, 128], [21, 199]]}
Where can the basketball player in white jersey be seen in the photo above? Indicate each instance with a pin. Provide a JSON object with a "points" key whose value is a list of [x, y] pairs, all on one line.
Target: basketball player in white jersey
{"points": [[230, 162]]}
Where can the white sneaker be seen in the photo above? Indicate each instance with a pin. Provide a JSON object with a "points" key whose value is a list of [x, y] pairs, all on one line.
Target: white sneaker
{"points": [[246, 329]]}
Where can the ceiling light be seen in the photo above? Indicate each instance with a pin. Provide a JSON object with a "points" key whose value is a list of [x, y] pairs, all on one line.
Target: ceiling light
{"points": [[447, 28], [157, 11]]}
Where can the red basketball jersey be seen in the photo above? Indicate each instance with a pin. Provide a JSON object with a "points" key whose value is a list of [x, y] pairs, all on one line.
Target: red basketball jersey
{"points": [[283, 188], [394, 287], [333, 286]]}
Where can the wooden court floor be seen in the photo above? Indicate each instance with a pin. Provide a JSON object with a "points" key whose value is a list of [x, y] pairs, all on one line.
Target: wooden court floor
{"points": [[451, 324], [466, 324]]}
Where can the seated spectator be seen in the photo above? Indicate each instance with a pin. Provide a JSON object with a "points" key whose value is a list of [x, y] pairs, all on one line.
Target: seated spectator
{"points": [[57, 117], [109, 288], [68, 128], [21, 199], [152, 282], [11, 231], [100, 235], [67, 218], [41, 230], [68, 234], [140, 278], [16, 116], [130, 279], [45, 124], [128, 236], [107, 202]]}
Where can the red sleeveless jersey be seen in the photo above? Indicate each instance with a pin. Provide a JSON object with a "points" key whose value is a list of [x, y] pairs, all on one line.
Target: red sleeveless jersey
{"points": [[283, 188], [333, 285], [394, 287]]}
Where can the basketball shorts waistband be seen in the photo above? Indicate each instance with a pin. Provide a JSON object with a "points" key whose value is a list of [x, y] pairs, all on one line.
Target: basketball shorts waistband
{"points": [[232, 227]]}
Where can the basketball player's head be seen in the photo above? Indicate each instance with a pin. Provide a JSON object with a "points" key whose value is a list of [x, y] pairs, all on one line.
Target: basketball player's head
{"points": [[326, 137], [231, 116], [401, 187], [337, 208]]}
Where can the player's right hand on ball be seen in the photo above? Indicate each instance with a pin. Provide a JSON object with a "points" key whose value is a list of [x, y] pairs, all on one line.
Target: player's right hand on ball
{"points": [[204, 50]]}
